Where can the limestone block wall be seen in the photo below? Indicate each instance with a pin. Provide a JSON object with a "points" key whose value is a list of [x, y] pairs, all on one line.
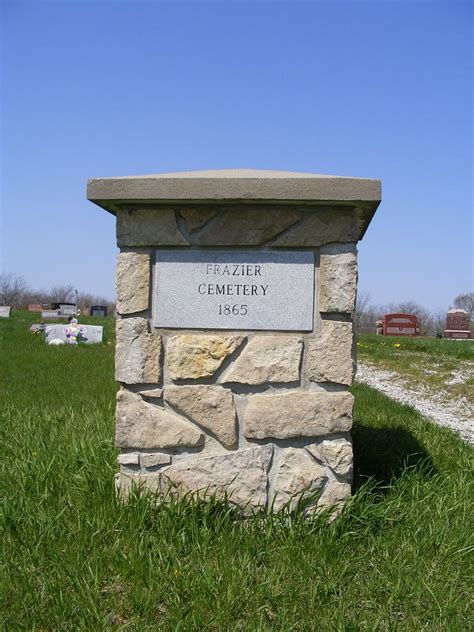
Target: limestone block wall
{"points": [[263, 416]]}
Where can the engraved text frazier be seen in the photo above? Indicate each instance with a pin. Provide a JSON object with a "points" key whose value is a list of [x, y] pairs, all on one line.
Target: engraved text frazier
{"points": [[233, 289]]}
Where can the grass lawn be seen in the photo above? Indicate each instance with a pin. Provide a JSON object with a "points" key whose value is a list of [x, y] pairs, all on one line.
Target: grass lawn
{"points": [[73, 558], [440, 364]]}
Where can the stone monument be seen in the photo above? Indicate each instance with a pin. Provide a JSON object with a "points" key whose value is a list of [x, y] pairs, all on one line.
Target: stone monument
{"points": [[98, 310], [235, 349], [457, 324], [401, 325]]}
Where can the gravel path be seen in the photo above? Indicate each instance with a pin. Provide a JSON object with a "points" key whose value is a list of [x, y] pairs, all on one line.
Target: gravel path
{"points": [[436, 406]]}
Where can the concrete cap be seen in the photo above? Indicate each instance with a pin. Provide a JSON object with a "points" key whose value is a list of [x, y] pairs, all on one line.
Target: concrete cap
{"points": [[232, 185], [238, 185]]}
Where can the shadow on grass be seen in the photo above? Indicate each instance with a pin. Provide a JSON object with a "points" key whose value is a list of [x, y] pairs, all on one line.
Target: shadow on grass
{"points": [[382, 454]]}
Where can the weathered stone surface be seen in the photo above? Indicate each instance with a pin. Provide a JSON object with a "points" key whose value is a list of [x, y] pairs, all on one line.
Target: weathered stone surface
{"points": [[211, 407], [338, 278], [125, 481], [143, 425], [129, 458], [149, 227], [237, 185], [336, 453], [152, 393], [193, 356], [242, 475], [5, 311], [334, 496], [297, 413], [137, 352], [196, 217], [132, 282], [329, 356], [267, 359], [321, 227], [297, 475], [246, 226], [188, 411], [154, 459]]}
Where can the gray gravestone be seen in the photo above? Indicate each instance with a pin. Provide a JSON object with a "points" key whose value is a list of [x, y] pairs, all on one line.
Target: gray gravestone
{"points": [[67, 310], [92, 334], [98, 310], [5, 311], [50, 314]]}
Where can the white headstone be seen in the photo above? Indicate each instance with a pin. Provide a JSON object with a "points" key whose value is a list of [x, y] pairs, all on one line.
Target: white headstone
{"points": [[5, 311], [67, 310], [92, 334]]}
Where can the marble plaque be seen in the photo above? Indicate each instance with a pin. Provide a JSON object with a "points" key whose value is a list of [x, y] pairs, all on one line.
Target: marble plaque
{"points": [[5, 311], [234, 290]]}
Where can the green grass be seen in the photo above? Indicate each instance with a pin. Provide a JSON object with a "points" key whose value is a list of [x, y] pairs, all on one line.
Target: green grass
{"points": [[429, 361], [74, 558], [34, 373]]}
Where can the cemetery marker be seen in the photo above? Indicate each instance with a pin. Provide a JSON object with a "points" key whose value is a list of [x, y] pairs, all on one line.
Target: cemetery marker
{"points": [[458, 325], [235, 291]]}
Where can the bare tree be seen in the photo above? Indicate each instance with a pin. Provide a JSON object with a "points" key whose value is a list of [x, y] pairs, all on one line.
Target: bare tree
{"points": [[362, 313], [439, 322], [465, 301], [15, 291], [62, 294], [366, 314], [13, 288], [86, 300]]}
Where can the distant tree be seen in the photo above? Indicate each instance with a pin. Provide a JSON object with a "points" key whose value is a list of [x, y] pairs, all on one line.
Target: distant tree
{"points": [[15, 291], [465, 301], [62, 294], [13, 288], [86, 299], [362, 301], [365, 314], [439, 321]]}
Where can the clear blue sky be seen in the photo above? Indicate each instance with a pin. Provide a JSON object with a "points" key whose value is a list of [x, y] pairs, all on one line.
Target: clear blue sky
{"points": [[370, 89]]}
